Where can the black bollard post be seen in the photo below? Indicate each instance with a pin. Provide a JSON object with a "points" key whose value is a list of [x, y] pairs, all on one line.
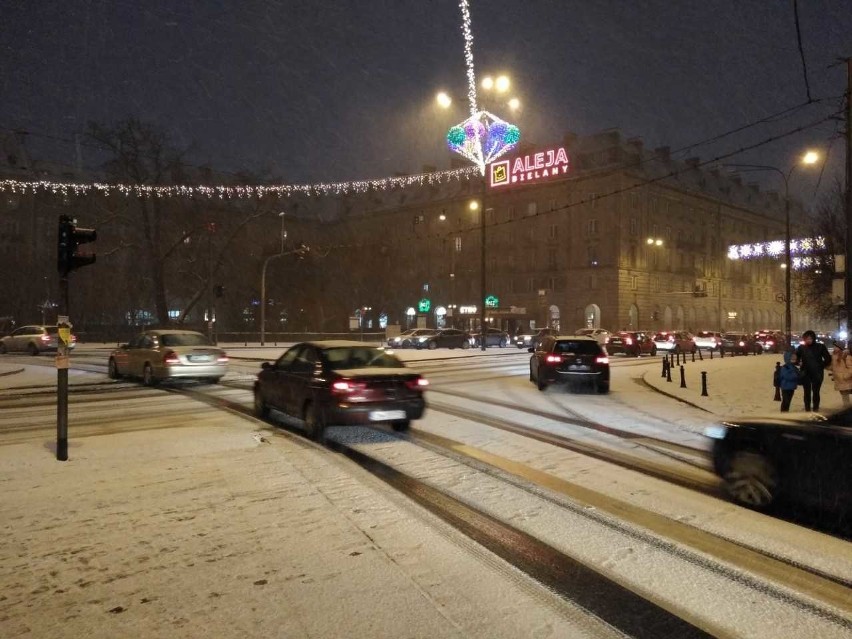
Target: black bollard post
{"points": [[704, 384], [677, 358], [693, 356], [669, 373], [665, 365], [700, 356], [777, 380], [711, 352], [682, 377]]}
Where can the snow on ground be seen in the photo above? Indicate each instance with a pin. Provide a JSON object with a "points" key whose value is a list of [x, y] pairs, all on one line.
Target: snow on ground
{"points": [[208, 530]]}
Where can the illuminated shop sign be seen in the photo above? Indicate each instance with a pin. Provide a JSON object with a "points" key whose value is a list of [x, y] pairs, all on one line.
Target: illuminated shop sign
{"points": [[531, 168]]}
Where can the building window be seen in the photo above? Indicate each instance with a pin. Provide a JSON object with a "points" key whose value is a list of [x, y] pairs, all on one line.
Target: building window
{"points": [[532, 208], [593, 281], [593, 256], [634, 282], [458, 244], [530, 285], [592, 227], [554, 230], [551, 260], [593, 199], [551, 283], [634, 226]]}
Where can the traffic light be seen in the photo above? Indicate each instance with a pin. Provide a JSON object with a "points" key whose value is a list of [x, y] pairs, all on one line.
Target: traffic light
{"points": [[219, 290], [70, 237]]}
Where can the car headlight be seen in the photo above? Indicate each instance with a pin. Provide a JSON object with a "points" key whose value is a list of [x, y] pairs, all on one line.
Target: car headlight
{"points": [[422, 339], [715, 432]]}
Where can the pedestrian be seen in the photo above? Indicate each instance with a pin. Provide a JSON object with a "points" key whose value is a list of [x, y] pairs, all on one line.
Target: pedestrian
{"points": [[813, 358], [841, 371], [788, 379]]}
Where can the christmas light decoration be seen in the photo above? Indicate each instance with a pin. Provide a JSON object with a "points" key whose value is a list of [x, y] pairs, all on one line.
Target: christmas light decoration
{"points": [[468, 56], [236, 191], [776, 249]]}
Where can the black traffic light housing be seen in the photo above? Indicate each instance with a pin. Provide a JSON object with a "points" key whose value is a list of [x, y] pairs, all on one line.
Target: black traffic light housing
{"points": [[70, 238]]}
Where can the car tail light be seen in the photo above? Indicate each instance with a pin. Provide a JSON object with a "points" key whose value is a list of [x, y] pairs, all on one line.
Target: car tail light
{"points": [[769, 342], [418, 383], [670, 338], [170, 357], [222, 359], [742, 343], [45, 338], [603, 359], [627, 340], [347, 387], [553, 359], [606, 340], [73, 339]]}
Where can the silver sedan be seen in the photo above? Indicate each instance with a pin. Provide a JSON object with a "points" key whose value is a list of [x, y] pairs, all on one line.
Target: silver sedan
{"points": [[162, 354]]}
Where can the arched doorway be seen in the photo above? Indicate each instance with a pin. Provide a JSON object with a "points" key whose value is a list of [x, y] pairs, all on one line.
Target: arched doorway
{"points": [[633, 317], [690, 319], [679, 318], [592, 316], [667, 318], [554, 317]]}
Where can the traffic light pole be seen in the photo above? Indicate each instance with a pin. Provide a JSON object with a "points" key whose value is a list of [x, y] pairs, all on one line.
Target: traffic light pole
{"points": [[62, 380]]}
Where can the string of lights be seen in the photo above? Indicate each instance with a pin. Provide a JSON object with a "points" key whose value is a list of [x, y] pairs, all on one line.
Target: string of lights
{"points": [[468, 56], [238, 191]]}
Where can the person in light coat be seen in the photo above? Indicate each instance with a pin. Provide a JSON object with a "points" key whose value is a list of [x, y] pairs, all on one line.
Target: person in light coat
{"points": [[841, 371]]}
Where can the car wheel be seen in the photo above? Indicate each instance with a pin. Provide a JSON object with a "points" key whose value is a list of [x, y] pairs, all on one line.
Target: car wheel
{"points": [[314, 423], [211, 380], [32, 349], [750, 480], [112, 369], [504, 343], [148, 376], [433, 345], [602, 387], [540, 384], [260, 407], [401, 426], [653, 351], [3, 350], [465, 345]]}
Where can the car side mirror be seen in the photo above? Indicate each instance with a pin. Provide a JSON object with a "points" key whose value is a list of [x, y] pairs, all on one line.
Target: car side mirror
{"points": [[266, 365], [531, 350]]}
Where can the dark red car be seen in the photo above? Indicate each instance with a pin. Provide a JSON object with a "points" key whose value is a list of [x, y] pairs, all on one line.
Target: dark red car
{"points": [[633, 343]]}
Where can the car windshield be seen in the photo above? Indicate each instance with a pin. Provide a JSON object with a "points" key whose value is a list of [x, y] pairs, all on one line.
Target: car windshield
{"points": [[349, 357], [585, 331], [661, 336], [183, 339], [705, 334], [577, 347]]}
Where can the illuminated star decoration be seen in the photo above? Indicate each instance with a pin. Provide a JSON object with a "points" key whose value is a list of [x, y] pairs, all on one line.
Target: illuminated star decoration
{"points": [[801, 248], [483, 137]]}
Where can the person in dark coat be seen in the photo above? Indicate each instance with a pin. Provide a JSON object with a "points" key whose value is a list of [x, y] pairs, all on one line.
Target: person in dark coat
{"points": [[788, 379], [814, 358]]}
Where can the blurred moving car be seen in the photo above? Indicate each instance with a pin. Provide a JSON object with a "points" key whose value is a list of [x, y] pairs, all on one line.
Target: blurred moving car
{"points": [[340, 382], [675, 342], [531, 340], [570, 359], [801, 458], [445, 338], [493, 337], [771, 341], [633, 343], [33, 339], [410, 338], [162, 354], [600, 334], [707, 340], [740, 344]]}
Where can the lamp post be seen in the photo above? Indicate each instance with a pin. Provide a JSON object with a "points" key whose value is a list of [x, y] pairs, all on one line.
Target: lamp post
{"points": [[299, 251], [811, 157]]}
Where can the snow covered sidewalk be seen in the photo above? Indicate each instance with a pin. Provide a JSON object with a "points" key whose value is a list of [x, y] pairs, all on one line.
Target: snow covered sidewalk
{"points": [[739, 385], [218, 529]]}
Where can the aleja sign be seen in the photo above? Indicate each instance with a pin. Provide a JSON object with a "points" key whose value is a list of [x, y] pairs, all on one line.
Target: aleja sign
{"points": [[535, 167]]}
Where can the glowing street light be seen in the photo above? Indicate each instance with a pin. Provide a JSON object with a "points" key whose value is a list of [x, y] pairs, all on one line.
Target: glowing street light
{"points": [[652, 241], [811, 157], [474, 205], [502, 84], [487, 83], [444, 100], [514, 104]]}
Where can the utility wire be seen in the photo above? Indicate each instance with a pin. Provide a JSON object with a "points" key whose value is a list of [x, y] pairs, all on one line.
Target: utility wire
{"points": [[801, 49]]}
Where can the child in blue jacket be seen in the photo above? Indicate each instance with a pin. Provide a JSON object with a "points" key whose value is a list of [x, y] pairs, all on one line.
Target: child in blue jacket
{"points": [[788, 378]]}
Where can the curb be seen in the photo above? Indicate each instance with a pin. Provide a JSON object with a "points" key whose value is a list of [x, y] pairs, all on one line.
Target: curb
{"points": [[646, 383], [12, 372]]}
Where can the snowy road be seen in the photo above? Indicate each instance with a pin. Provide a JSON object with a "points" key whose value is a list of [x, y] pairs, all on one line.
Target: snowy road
{"points": [[614, 491]]}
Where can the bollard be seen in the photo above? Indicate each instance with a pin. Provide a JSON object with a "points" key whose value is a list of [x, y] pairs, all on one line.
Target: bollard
{"points": [[711, 352], [704, 384], [664, 360], [693, 356], [722, 352], [682, 377], [700, 356], [777, 382], [669, 373], [677, 357]]}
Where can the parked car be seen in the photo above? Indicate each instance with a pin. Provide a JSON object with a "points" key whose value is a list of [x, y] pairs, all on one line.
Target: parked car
{"points": [[493, 337], [158, 355], [33, 340], [531, 340], [771, 341], [570, 359], [600, 334], [675, 342], [446, 338], [339, 382], [707, 340], [633, 343], [740, 344], [410, 338], [801, 458]]}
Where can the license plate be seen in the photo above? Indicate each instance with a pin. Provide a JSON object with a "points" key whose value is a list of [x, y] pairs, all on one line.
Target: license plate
{"points": [[575, 367], [386, 415], [200, 358]]}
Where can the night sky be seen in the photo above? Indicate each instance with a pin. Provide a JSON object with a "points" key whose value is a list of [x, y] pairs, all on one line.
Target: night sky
{"points": [[328, 91]]}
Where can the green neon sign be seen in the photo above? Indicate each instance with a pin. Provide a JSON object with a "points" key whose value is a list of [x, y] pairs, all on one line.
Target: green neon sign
{"points": [[424, 305], [492, 301]]}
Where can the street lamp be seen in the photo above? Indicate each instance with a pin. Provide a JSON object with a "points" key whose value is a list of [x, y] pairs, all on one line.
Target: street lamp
{"points": [[811, 157], [299, 251], [654, 241], [444, 100]]}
